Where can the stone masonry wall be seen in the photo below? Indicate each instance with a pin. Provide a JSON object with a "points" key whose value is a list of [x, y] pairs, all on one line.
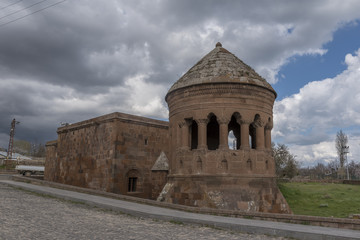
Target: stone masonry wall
{"points": [[104, 152]]}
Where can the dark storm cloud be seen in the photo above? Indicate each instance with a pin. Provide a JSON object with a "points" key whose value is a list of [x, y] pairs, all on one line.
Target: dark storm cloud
{"points": [[51, 51], [84, 58]]}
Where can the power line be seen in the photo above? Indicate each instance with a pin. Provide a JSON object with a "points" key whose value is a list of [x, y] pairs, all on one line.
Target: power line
{"points": [[42, 9], [23, 9], [11, 4]]}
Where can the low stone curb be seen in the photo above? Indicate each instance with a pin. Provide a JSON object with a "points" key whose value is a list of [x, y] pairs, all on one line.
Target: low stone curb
{"points": [[286, 218], [235, 224]]}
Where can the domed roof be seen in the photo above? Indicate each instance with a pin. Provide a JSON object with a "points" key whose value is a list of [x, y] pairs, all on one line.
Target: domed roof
{"points": [[220, 66]]}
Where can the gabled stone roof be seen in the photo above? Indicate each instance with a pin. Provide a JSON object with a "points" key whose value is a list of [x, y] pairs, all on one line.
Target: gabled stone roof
{"points": [[220, 66], [161, 164]]}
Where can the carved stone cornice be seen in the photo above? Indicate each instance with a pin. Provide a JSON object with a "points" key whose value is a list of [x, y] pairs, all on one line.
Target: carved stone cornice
{"points": [[223, 120], [202, 121], [182, 124], [269, 126], [222, 88], [245, 121], [257, 123]]}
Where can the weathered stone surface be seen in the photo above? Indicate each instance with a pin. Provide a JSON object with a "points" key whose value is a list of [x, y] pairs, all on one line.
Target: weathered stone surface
{"points": [[133, 155], [104, 153], [218, 95]]}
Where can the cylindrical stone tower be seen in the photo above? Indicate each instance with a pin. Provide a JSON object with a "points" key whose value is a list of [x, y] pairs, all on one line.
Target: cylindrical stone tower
{"points": [[218, 99]]}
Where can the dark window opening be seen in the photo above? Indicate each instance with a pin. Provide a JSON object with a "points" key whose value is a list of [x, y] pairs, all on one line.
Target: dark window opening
{"points": [[194, 135], [234, 127], [252, 135], [132, 184], [252, 130], [212, 131], [146, 141]]}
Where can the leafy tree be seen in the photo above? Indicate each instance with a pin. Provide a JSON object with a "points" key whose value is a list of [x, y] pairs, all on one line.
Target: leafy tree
{"points": [[285, 163], [340, 143]]}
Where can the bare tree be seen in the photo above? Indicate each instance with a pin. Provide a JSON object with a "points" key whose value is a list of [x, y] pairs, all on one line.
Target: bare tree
{"points": [[285, 163], [340, 143]]}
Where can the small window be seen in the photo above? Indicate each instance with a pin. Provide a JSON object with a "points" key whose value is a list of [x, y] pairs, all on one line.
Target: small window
{"points": [[132, 184], [146, 141]]}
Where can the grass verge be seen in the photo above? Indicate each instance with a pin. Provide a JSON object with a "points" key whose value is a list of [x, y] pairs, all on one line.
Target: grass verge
{"points": [[322, 199]]}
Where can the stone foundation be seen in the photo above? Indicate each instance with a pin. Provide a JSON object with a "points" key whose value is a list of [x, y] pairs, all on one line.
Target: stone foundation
{"points": [[226, 192]]}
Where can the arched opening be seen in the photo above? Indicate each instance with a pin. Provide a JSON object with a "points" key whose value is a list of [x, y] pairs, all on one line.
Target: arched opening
{"points": [[252, 130], [194, 134], [252, 136], [212, 132], [232, 141], [234, 132]]}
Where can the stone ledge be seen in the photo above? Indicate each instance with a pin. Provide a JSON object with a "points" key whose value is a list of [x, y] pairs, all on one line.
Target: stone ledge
{"points": [[112, 117]]}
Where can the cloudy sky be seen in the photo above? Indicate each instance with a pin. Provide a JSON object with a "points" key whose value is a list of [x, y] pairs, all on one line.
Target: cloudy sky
{"points": [[67, 61]]}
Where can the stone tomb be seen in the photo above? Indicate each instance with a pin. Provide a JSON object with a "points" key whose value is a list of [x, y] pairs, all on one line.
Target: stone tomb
{"points": [[218, 95]]}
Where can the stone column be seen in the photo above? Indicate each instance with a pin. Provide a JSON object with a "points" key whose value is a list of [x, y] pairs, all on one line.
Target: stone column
{"points": [[244, 135], [259, 132], [268, 137], [184, 135], [178, 136], [260, 141], [223, 128], [202, 133]]}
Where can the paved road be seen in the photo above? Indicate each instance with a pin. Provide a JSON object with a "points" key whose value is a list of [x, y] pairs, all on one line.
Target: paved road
{"points": [[25, 215]]}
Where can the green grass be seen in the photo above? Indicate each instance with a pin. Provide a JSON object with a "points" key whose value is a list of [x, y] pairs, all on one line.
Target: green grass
{"points": [[322, 199], [176, 222]]}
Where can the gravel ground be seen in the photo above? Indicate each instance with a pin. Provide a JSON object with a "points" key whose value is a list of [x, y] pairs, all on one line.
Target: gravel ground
{"points": [[25, 215]]}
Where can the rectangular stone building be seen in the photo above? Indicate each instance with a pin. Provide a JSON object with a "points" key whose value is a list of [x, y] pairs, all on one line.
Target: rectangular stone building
{"points": [[117, 153]]}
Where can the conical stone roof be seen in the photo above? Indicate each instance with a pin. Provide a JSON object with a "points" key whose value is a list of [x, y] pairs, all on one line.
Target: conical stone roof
{"points": [[220, 66]]}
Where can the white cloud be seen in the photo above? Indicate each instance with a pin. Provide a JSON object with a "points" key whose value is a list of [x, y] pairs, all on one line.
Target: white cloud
{"points": [[322, 152], [145, 98], [308, 120]]}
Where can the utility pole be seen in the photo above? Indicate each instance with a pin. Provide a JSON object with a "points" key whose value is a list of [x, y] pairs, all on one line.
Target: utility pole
{"points": [[345, 151], [11, 141]]}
